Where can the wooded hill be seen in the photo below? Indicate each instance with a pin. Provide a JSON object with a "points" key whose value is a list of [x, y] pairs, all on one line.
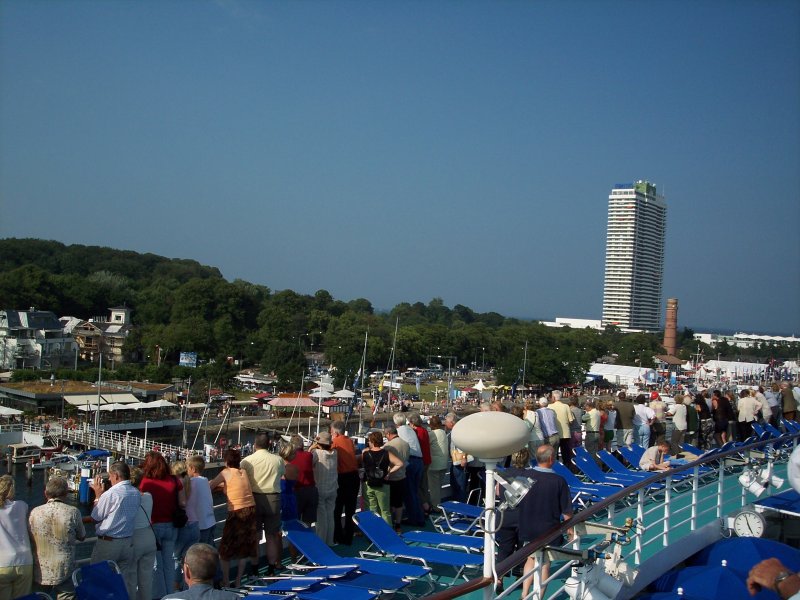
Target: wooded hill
{"points": [[183, 306]]}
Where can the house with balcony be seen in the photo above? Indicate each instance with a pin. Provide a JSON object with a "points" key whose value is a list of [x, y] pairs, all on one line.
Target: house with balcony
{"points": [[101, 334]]}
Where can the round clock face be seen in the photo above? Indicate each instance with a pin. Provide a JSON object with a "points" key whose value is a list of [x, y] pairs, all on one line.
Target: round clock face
{"points": [[749, 523]]}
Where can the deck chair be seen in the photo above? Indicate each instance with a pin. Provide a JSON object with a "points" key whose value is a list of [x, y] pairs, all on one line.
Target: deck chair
{"points": [[100, 581], [310, 588], [383, 584], [467, 543], [590, 469], [388, 543], [459, 518], [596, 491], [319, 553], [631, 455], [790, 426]]}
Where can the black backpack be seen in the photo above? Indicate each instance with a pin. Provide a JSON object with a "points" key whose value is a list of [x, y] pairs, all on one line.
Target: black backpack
{"points": [[376, 466]]}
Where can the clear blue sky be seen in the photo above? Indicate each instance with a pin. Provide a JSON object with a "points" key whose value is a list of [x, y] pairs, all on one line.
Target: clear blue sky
{"points": [[400, 151]]}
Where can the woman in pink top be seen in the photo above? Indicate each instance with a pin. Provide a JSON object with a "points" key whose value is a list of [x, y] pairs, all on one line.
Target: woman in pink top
{"points": [[240, 536]]}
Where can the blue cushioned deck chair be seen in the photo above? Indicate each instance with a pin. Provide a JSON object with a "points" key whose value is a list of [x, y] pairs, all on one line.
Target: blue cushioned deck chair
{"points": [[576, 486], [459, 517], [613, 463], [467, 543], [631, 454], [319, 553], [590, 469], [790, 426], [389, 544], [100, 581]]}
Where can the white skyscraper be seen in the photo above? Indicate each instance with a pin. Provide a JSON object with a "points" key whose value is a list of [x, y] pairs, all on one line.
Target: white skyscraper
{"points": [[637, 223]]}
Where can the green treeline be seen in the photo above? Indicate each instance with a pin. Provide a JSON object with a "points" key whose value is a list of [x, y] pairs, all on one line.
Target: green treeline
{"points": [[182, 306]]}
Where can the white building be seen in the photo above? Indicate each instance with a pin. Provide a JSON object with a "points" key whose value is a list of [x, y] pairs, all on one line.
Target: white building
{"points": [[33, 339], [637, 223], [574, 323], [745, 340]]}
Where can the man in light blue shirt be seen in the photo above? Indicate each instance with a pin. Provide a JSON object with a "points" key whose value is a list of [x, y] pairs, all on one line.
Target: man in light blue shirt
{"points": [[114, 513], [414, 469]]}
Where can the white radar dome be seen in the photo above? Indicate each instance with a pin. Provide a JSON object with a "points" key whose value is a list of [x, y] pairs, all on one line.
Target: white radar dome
{"points": [[490, 435]]}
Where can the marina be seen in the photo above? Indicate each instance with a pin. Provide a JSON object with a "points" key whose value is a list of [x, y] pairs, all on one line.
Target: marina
{"points": [[624, 542]]}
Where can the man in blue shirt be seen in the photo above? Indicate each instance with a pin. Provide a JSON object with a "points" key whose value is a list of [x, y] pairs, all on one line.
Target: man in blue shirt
{"points": [[114, 513], [544, 507]]}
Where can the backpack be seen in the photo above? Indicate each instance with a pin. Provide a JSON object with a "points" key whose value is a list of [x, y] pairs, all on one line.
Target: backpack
{"points": [[376, 465]]}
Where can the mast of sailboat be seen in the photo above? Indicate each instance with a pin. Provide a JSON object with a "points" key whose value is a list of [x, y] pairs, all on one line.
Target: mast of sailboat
{"points": [[391, 370], [97, 412], [363, 373], [204, 417], [294, 408]]}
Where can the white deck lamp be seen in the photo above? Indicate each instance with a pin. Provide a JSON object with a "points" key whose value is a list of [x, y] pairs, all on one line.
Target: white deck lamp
{"points": [[490, 437]]}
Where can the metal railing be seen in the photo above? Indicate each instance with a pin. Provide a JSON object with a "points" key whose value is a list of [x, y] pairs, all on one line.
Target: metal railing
{"points": [[123, 444], [633, 532]]}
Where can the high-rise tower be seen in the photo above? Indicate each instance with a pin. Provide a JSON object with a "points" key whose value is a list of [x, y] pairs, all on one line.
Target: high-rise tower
{"points": [[637, 223]]}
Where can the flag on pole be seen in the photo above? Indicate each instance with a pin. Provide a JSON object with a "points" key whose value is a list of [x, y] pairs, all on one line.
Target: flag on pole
{"points": [[418, 383]]}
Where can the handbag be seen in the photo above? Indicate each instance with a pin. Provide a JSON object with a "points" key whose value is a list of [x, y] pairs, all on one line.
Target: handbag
{"points": [[179, 517]]}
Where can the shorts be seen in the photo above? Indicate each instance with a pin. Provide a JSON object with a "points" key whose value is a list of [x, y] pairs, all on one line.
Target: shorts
{"points": [[609, 435], [268, 513], [397, 493]]}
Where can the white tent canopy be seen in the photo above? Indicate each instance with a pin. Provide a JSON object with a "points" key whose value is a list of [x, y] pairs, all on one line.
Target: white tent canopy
{"points": [[620, 374], [159, 404], [344, 394], [105, 398], [480, 386], [5, 411]]}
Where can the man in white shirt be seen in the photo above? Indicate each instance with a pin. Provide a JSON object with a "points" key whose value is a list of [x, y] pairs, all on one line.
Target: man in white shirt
{"points": [[114, 513]]}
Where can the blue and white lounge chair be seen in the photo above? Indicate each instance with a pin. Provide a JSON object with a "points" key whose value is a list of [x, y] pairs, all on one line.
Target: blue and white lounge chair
{"points": [[459, 518], [391, 545], [595, 491], [100, 581], [318, 552]]}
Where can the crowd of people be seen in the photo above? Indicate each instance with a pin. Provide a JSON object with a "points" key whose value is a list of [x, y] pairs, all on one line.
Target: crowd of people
{"points": [[157, 523]]}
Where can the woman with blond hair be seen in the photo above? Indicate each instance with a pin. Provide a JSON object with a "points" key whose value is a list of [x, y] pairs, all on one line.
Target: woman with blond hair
{"points": [[16, 558], [190, 533]]}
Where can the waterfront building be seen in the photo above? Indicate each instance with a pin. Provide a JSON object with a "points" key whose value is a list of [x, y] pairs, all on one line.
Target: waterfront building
{"points": [[33, 339], [634, 270]]}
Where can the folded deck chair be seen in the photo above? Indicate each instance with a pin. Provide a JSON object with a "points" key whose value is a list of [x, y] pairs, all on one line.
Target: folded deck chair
{"points": [[311, 588], [366, 581], [389, 544], [318, 552], [459, 517], [100, 581]]}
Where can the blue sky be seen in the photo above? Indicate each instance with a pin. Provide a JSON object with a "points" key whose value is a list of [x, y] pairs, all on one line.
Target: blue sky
{"points": [[401, 151]]}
